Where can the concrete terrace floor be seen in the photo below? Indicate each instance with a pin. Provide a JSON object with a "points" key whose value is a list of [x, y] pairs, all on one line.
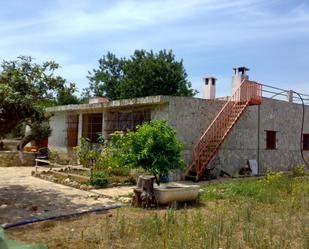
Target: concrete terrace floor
{"points": [[23, 196]]}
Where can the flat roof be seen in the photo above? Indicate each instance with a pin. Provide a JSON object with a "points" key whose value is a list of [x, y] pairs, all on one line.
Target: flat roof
{"points": [[135, 102]]}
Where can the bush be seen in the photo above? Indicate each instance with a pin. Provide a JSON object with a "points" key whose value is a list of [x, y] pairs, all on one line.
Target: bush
{"points": [[112, 158], [53, 156], [85, 154], [99, 178], [154, 148], [298, 170]]}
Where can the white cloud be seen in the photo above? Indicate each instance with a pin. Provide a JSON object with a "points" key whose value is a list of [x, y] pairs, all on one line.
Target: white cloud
{"points": [[66, 30]]}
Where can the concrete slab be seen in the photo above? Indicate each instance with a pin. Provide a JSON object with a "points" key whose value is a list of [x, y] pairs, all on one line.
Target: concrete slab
{"points": [[23, 196]]}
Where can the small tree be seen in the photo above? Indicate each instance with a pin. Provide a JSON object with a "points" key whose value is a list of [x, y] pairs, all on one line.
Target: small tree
{"points": [[154, 148], [26, 88]]}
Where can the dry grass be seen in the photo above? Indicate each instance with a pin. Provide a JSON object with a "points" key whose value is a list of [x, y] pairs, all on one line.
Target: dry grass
{"points": [[272, 213]]}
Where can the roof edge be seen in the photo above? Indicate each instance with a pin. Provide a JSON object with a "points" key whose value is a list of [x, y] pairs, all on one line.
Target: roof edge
{"points": [[142, 101]]}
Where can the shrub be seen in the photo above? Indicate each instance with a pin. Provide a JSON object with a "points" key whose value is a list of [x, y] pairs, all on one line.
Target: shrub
{"points": [[154, 148], [298, 170], [53, 156], [112, 158], [99, 178], [86, 155], [274, 178]]}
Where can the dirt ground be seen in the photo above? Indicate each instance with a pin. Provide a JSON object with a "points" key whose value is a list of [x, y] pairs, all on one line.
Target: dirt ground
{"points": [[23, 196]]}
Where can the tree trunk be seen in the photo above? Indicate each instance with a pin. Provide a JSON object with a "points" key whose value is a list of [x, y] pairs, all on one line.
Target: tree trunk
{"points": [[144, 193], [20, 147], [26, 139]]}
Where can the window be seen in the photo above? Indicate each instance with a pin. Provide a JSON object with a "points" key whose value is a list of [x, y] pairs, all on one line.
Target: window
{"points": [[271, 140], [125, 120], [306, 142], [92, 126], [72, 130]]}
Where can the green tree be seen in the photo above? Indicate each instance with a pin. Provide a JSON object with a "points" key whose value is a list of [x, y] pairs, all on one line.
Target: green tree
{"points": [[105, 81], [143, 74], [154, 148], [25, 89]]}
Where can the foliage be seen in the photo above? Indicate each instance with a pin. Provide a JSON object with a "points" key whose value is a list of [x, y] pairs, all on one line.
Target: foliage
{"points": [[112, 157], [143, 74], [99, 178], [53, 156], [17, 132], [87, 156], [154, 148], [299, 170], [26, 88], [65, 96], [40, 130]]}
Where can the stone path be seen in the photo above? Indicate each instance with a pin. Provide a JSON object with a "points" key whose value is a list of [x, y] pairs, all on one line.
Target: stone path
{"points": [[23, 196]]}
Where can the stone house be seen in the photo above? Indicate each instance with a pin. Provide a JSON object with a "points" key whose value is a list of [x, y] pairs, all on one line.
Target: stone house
{"points": [[269, 132]]}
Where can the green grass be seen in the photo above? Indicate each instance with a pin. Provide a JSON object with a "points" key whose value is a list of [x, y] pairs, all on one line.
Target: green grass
{"points": [[274, 188], [269, 213]]}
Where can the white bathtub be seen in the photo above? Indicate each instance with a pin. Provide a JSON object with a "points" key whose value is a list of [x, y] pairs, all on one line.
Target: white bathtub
{"points": [[175, 193]]}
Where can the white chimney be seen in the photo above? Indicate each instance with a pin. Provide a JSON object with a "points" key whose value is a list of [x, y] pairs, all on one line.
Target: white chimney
{"points": [[240, 74], [210, 88]]}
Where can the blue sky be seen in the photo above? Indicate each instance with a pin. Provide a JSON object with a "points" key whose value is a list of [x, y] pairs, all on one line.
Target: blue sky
{"points": [[271, 37]]}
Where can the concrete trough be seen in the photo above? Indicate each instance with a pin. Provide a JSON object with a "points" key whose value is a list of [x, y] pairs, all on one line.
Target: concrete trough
{"points": [[177, 192]]}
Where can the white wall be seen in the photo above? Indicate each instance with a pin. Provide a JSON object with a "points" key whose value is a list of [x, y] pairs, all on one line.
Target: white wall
{"points": [[58, 138]]}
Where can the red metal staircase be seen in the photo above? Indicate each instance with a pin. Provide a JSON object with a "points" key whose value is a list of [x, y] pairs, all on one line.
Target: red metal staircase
{"points": [[249, 93]]}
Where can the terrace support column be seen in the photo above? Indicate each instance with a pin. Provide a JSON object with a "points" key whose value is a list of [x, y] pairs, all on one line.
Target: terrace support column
{"points": [[80, 128], [103, 124]]}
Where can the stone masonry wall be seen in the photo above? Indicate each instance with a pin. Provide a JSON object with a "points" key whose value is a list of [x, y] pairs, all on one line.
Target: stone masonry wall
{"points": [[247, 140], [11, 158], [190, 117]]}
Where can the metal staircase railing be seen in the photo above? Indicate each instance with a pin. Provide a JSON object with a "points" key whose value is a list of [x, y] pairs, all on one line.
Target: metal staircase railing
{"points": [[249, 93]]}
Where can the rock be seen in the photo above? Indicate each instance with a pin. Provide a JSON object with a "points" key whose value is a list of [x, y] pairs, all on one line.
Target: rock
{"points": [[67, 180], [83, 187], [50, 178], [125, 199], [74, 184], [3, 206], [34, 208]]}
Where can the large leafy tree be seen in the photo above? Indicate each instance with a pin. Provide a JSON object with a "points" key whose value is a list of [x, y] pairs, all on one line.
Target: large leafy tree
{"points": [[25, 89], [143, 74]]}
